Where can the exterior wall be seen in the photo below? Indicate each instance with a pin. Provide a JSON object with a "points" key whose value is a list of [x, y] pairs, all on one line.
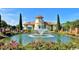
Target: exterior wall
{"points": [[47, 27], [54, 28], [25, 27], [74, 31], [51, 27], [39, 23], [77, 30]]}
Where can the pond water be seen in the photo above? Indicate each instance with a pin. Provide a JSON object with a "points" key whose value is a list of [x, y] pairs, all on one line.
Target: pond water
{"points": [[25, 38]]}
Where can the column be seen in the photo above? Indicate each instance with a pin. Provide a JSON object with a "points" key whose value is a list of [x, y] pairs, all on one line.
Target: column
{"points": [[33, 27], [51, 27]]}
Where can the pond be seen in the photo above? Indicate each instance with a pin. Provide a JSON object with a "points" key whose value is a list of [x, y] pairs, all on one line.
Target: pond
{"points": [[25, 38]]}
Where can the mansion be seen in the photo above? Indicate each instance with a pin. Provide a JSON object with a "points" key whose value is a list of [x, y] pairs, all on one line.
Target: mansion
{"points": [[39, 23]]}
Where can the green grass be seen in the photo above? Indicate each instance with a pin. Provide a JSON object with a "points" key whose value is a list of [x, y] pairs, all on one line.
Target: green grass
{"points": [[4, 40]]}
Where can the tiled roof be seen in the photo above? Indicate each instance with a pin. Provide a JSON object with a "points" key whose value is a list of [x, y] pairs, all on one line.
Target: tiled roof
{"points": [[32, 23], [39, 17]]}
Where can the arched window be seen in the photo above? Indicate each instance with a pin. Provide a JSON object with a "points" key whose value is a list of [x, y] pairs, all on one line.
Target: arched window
{"points": [[39, 26]]}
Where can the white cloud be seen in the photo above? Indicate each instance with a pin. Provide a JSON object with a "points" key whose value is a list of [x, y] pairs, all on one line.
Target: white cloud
{"points": [[10, 18], [13, 19]]}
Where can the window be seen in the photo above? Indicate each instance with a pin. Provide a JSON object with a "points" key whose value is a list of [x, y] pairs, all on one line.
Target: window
{"points": [[39, 26]]}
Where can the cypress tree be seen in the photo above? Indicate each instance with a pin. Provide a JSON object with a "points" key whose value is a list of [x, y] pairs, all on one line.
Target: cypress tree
{"points": [[58, 23], [20, 22]]}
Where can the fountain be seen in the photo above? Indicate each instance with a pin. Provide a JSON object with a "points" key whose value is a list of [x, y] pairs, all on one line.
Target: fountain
{"points": [[41, 33], [40, 30]]}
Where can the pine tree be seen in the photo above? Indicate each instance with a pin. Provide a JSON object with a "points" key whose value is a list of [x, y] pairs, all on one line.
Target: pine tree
{"points": [[20, 23], [58, 23]]}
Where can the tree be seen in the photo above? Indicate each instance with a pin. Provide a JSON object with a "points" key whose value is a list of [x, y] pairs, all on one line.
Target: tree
{"points": [[20, 22], [13, 27], [58, 23], [0, 21], [67, 25], [72, 24], [4, 24], [76, 23]]}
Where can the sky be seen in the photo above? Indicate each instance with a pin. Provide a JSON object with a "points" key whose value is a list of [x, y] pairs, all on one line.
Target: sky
{"points": [[11, 15]]}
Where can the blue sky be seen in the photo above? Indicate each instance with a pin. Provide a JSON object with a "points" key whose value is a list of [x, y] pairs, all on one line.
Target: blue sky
{"points": [[11, 15]]}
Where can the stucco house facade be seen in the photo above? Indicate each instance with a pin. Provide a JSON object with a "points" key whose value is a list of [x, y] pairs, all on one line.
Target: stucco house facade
{"points": [[39, 23]]}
